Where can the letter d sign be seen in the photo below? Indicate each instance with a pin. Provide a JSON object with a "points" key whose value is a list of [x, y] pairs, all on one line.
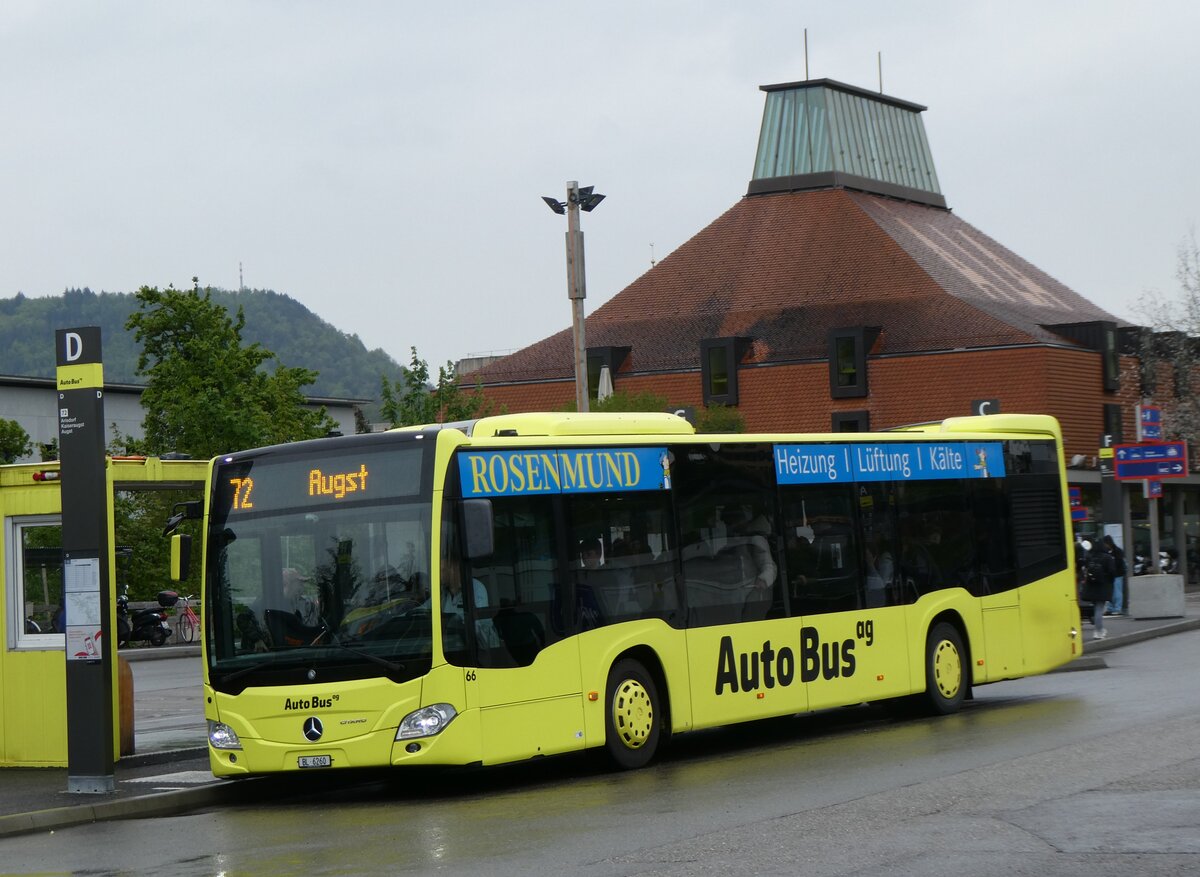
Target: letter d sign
{"points": [[74, 346]]}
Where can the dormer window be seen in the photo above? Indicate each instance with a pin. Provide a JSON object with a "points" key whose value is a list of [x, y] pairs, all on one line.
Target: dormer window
{"points": [[848, 360], [719, 358], [597, 359]]}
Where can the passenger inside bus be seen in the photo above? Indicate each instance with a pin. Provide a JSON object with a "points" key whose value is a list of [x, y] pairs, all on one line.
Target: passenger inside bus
{"points": [[750, 534], [452, 601], [604, 589]]}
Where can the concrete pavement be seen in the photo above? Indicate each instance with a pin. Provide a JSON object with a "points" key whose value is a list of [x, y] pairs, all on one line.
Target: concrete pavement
{"points": [[170, 773]]}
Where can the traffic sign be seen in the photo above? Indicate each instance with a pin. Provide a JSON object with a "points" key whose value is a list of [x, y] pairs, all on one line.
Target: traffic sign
{"points": [[1149, 423], [1159, 460]]}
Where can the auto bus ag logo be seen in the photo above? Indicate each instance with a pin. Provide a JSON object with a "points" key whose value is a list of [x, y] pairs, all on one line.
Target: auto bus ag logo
{"points": [[313, 729]]}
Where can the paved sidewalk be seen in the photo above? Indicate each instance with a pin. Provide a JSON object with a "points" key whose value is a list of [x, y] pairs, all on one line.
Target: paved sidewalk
{"points": [[166, 779]]}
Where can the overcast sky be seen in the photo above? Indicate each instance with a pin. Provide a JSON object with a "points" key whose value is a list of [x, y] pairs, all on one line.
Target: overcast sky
{"points": [[382, 162]]}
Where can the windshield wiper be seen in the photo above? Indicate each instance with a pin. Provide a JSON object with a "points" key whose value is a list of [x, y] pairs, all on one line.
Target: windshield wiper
{"points": [[245, 671], [337, 641], [374, 659]]}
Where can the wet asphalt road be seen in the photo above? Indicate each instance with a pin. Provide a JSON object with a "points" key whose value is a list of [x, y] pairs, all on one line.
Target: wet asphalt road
{"points": [[1090, 773]]}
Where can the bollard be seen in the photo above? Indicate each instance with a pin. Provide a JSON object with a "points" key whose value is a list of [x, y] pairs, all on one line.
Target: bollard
{"points": [[125, 680], [1155, 596]]}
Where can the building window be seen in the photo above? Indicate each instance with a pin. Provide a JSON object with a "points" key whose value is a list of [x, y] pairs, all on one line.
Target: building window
{"points": [[719, 358], [1112, 423], [33, 548], [848, 360], [718, 371], [597, 359], [851, 421], [1112, 358]]}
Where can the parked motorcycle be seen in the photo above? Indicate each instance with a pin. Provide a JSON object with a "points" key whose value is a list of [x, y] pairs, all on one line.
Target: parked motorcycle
{"points": [[144, 625], [1167, 563]]}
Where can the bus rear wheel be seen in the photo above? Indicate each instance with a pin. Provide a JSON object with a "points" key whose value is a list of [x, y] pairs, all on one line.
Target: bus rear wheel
{"points": [[946, 682], [633, 715]]}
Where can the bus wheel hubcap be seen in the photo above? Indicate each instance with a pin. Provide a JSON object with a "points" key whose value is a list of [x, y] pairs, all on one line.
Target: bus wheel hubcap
{"points": [[947, 668], [633, 714]]}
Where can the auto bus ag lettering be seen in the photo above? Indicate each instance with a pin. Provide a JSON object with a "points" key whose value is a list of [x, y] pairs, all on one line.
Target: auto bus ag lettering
{"points": [[308, 703], [769, 666]]}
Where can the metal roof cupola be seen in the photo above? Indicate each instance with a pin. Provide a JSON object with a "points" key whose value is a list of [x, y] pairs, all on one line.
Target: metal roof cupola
{"points": [[822, 134]]}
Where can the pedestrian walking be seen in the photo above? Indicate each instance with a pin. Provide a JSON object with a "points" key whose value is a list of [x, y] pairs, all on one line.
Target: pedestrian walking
{"points": [[1116, 605], [1097, 584]]}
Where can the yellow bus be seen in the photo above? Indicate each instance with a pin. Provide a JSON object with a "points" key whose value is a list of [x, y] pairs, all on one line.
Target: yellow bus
{"points": [[532, 584]]}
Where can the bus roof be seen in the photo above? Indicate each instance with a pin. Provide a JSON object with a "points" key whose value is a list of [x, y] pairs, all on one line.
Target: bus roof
{"points": [[566, 424], [560, 423]]}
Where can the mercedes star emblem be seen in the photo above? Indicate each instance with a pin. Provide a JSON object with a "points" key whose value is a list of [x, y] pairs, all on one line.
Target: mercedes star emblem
{"points": [[313, 728]]}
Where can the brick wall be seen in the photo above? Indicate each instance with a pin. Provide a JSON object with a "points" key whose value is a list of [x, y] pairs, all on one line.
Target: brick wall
{"points": [[795, 398]]}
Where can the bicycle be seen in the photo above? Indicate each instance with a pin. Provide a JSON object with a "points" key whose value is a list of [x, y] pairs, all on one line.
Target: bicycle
{"points": [[187, 622]]}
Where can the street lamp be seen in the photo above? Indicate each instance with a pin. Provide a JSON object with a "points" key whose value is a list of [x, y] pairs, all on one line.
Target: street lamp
{"points": [[587, 200]]}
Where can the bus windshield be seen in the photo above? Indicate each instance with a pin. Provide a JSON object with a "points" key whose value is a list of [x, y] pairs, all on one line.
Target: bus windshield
{"points": [[319, 563]]}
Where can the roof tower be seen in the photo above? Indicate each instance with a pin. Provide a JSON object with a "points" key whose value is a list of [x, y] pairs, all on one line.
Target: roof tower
{"points": [[822, 134]]}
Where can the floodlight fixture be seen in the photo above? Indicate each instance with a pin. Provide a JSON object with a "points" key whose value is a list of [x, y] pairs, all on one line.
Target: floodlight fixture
{"points": [[554, 204], [591, 202]]}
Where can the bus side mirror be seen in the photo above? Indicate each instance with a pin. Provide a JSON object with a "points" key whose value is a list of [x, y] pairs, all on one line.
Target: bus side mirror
{"points": [[181, 556], [183, 511], [477, 528]]}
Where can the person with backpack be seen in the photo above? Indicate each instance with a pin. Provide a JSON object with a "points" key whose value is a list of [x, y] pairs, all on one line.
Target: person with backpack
{"points": [[1098, 573], [1116, 605]]}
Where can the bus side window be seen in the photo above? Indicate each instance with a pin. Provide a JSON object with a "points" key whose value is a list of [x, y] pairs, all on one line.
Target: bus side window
{"points": [[821, 548], [881, 578], [523, 583], [621, 558], [726, 501]]}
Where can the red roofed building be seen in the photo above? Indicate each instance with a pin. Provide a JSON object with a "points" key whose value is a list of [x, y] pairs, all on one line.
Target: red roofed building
{"points": [[842, 294]]}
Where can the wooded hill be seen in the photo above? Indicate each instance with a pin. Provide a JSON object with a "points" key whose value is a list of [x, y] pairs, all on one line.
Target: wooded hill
{"points": [[297, 336]]}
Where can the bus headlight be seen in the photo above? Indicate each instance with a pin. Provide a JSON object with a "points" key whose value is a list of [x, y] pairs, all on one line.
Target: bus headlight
{"points": [[221, 736], [426, 722]]}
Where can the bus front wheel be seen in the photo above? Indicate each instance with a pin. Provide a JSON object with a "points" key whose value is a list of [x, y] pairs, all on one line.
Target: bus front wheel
{"points": [[633, 716], [946, 680]]}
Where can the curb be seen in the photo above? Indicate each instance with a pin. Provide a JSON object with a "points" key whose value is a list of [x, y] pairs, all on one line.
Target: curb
{"points": [[159, 804], [1137, 636], [165, 756]]}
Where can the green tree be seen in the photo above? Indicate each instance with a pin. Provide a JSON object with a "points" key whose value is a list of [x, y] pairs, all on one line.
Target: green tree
{"points": [[720, 418], [410, 401], [138, 517], [361, 425], [207, 392], [624, 400], [14, 441]]}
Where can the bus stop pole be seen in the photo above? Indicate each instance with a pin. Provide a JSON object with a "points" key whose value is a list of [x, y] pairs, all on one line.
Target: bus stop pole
{"points": [[90, 645]]}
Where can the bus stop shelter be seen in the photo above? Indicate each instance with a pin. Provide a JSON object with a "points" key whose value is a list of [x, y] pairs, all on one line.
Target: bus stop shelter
{"points": [[33, 708]]}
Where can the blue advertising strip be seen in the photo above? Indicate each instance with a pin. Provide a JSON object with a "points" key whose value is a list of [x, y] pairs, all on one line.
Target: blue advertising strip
{"points": [[887, 461], [813, 464], [563, 470]]}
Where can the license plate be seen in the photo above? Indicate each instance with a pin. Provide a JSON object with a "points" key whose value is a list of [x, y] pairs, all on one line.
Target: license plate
{"points": [[315, 760]]}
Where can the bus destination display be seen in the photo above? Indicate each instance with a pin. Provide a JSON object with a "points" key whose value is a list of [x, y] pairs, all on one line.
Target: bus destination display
{"points": [[269, 484]]}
